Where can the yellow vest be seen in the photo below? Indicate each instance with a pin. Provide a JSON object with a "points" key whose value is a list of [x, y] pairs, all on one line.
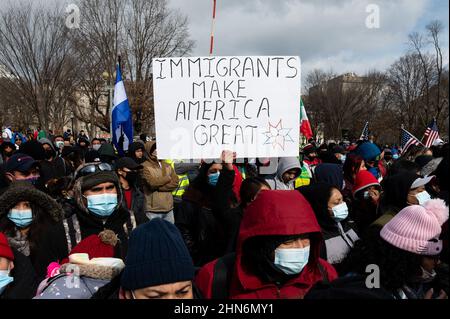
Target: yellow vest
{"points": [[183, 181]]}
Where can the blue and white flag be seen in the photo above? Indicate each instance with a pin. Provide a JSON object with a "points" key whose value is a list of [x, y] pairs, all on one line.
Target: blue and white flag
{"points": [[121, 117]]}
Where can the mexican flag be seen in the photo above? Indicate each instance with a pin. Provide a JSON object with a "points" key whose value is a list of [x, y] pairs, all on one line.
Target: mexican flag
{"points": [[305, 126]]}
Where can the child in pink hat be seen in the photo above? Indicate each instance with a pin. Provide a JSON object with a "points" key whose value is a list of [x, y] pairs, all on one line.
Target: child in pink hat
{"points": [[406, 253]]}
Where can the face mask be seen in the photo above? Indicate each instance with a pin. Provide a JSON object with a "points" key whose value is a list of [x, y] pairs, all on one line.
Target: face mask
{"points": [[423, 197], [102, 205], [340, 212], [59, 144], [21, 218], [291, 261], [96, 147], [5, 280], [395, 156], [33, 180], [343, 158], [49, 154], [213, 179]]}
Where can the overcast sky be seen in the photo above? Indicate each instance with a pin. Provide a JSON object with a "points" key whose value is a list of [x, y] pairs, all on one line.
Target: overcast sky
{"points": [[326, 34]]}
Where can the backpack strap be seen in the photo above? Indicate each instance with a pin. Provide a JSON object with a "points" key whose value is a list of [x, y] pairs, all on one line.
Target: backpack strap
{"points": [[223, 270], [324, 273]]}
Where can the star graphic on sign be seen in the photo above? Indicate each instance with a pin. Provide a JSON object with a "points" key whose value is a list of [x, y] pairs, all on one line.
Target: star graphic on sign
{"points": [[277, 135]]}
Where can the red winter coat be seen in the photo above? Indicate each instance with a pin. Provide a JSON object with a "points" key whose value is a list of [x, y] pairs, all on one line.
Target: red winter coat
{"points": [[273, 213]]}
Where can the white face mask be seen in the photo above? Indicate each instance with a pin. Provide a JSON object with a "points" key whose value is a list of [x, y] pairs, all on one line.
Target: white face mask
{"points": [[340, 212], [291, 261], [423, 197], [59, 144], [96, 147]]}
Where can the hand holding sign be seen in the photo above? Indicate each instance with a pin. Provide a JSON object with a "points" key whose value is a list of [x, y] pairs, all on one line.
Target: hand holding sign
{"points": [[227, 159]]}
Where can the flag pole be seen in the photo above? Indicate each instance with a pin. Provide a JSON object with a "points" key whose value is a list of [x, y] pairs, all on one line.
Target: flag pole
{"points": [[412, 135], [211, 45]]}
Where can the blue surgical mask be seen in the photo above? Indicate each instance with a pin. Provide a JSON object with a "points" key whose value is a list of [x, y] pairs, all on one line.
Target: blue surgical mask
{"points": [[5, 280], [340, 212], [102, 205], [21, 218], [291, 261], [395, 156], [343, 158], [423, 197], [213, 179]]}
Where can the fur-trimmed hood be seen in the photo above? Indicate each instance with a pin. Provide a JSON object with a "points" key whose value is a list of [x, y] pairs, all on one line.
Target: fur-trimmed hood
{"points": [[24, 191], [78, 195]]}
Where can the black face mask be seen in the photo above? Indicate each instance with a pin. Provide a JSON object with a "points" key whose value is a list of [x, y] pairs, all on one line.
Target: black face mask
{"points": [[49, 154], [132, 178]]}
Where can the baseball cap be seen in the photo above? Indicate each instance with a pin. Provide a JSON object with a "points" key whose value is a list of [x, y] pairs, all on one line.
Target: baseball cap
{"points": [[20, 162]]}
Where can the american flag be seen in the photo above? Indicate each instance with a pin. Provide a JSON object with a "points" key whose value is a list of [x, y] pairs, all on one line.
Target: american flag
{"points": [[431, 134], [365, 132], [407, 139]]}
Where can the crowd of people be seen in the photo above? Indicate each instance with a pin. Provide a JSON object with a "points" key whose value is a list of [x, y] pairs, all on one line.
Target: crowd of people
{"points": [[78, 221]]}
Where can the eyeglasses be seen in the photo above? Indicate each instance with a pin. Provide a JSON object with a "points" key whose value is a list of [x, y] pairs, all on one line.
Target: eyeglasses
{"points": [[93, 168]]}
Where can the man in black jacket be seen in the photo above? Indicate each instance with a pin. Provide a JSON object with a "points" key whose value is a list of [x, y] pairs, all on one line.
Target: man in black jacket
{"points": [[98, 206], [128, 172]]}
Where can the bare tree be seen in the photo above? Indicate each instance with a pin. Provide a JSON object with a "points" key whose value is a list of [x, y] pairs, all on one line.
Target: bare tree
{"points": [[343, 102], [35, 51], [138, 30]]}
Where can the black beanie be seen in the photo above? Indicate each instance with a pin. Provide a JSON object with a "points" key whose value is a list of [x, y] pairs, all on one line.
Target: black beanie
{"points": [[96, 178], [157, 255]]}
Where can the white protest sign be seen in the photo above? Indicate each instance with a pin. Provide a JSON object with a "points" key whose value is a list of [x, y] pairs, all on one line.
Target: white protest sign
{"points": [[249, 105]]}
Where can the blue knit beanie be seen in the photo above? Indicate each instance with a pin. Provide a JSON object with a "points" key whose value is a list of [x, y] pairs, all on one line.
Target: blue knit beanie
{"points": [[157, 255], [368, 151]]}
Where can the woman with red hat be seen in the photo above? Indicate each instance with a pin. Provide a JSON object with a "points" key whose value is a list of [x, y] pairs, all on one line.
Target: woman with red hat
{"points": [[366, 193], [17, 277]]}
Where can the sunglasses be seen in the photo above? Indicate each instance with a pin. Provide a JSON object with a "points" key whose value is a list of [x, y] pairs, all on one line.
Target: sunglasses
{"points": [[93, 168]]}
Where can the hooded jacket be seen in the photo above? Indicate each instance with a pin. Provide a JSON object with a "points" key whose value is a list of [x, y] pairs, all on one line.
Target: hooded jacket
{"points": [[81, 223], [54, 169], [273, 213], [45, 240], [159, 180], [285, 164], [339, 236], [133, 148]]}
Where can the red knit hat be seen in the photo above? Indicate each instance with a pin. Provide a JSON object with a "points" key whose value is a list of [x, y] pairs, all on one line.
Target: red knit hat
{"points": [[5, 250], [96, 246], [363, 180]]}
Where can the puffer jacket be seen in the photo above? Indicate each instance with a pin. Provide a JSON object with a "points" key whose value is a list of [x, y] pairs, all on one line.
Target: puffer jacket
{"points": [[159, 180]]}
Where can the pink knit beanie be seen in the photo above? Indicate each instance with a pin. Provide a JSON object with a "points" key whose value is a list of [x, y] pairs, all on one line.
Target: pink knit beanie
{"points": [[417, 228]]}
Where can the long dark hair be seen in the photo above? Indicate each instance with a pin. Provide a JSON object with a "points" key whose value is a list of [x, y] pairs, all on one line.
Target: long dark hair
{"points": [[351, 166], [249, 188], [41, 223], [397, 266]]}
